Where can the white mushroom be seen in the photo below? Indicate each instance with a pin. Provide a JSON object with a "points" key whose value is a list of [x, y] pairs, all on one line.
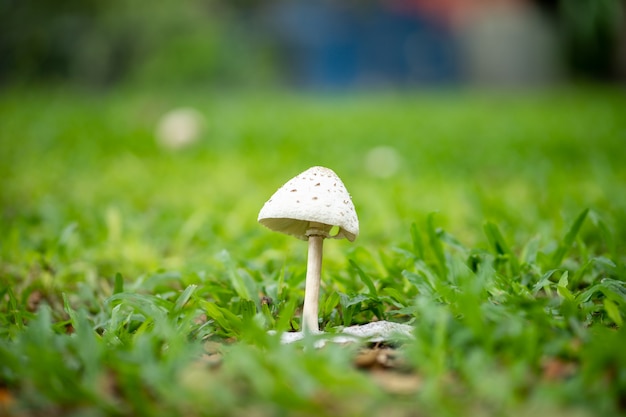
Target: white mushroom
{"points": [[308, 206]]}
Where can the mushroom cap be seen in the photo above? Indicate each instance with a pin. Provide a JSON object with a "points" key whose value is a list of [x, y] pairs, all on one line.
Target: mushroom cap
{"points": [[316, 195]]}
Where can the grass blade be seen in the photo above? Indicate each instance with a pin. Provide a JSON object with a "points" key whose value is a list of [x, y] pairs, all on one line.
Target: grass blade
{"points": [[228, 321], [418, 244], [613, 311], [242, 284], [118, 286], [365, 278], [568, 240], [500, 247], [285, 316], [183, 298], [70, 311], [436, 245]]}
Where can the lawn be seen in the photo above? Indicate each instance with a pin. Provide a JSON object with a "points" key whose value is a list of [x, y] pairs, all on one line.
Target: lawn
{"points": [[135, 279]]}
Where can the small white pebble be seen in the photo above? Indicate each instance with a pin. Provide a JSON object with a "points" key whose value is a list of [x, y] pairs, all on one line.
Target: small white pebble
{"points": [[382, 161], [179, 128]]}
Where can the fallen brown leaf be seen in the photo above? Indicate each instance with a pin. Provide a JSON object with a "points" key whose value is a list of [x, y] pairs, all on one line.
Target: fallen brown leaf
{"points": [[6, 398], [34, 299], [378, 357], [396, 382], [554, 369]]}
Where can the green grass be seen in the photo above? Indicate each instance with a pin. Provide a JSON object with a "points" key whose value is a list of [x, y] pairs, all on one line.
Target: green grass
{"points": [[136, 281]]}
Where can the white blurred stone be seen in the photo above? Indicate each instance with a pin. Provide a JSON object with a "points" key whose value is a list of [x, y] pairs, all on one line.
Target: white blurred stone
{"points": [[382, 161], [179, 128], [377, 331]]}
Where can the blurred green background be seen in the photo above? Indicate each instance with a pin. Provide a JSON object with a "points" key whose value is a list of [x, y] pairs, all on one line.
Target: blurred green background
{"points": [[98, 162], [139, 140], [130, 108]]}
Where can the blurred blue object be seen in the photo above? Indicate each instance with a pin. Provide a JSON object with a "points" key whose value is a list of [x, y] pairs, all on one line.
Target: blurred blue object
{"points": [[331, 45]]}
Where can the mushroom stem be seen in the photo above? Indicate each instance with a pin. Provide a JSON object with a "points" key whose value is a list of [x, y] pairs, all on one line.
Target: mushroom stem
{"points": [[312, 284]]}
